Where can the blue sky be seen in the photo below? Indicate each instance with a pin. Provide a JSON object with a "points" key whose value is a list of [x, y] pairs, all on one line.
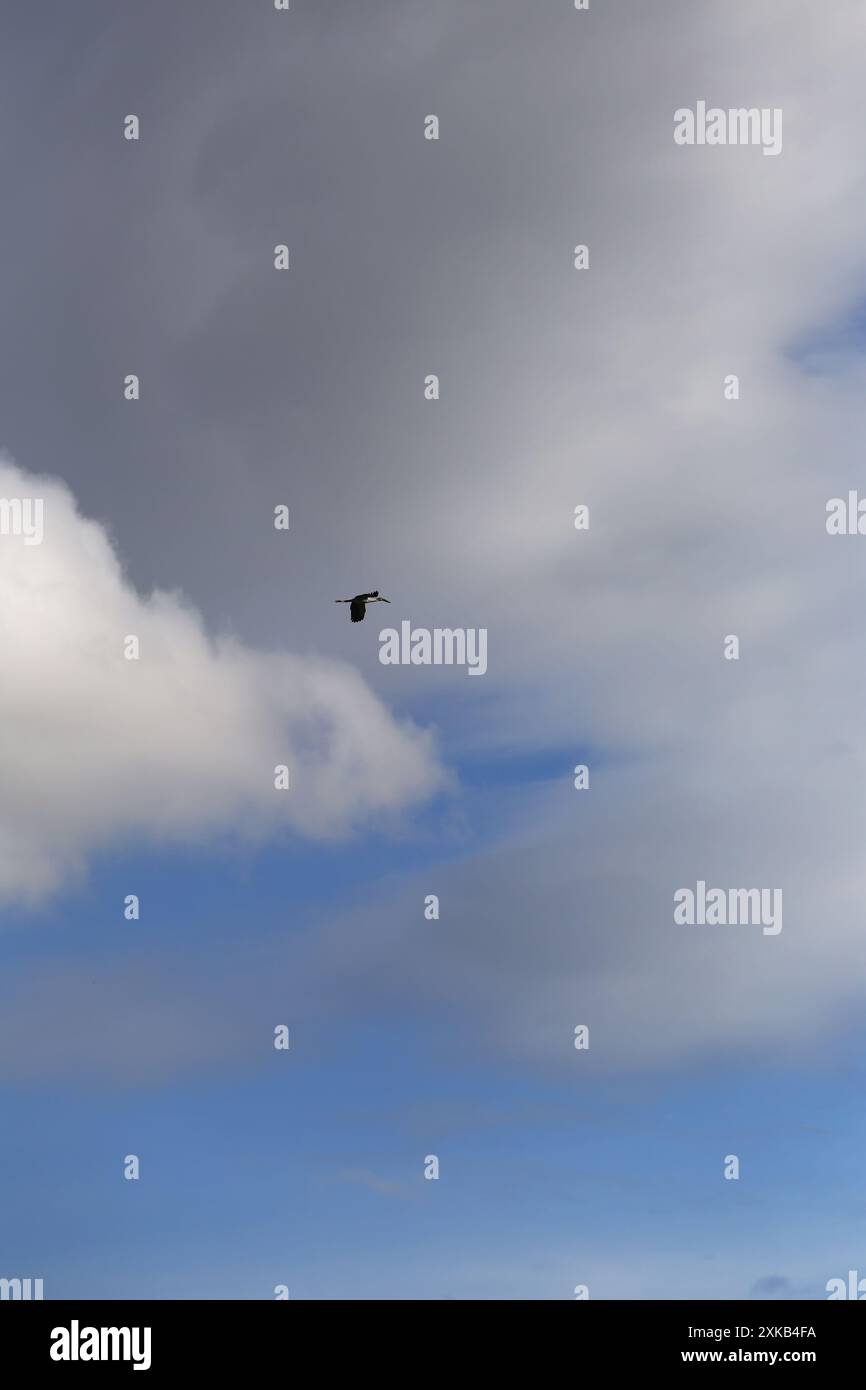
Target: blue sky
{"points": [[603, 388], [306, 1168]]}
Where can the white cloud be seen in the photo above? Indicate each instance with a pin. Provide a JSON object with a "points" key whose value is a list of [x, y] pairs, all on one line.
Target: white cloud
{"points": [[179, 744]]}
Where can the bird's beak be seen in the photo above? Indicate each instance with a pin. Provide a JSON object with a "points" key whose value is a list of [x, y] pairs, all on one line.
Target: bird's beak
{"points": [[384, 600]]}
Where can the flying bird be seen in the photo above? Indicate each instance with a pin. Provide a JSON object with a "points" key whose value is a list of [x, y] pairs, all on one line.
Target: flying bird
{"points": [[359, 604]]}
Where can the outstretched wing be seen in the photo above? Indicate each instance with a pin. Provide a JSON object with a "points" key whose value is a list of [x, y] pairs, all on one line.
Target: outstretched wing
{"points": [[358, 608]]}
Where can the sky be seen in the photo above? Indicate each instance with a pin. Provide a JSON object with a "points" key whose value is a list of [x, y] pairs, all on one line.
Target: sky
{"points": [[600, 1168]]}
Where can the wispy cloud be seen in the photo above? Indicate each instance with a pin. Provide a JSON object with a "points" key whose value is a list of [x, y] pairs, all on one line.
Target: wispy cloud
{"points": [[385, 1187]]}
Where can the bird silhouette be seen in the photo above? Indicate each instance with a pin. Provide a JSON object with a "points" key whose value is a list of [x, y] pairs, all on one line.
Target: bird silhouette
{"points": [[359, 604]]}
